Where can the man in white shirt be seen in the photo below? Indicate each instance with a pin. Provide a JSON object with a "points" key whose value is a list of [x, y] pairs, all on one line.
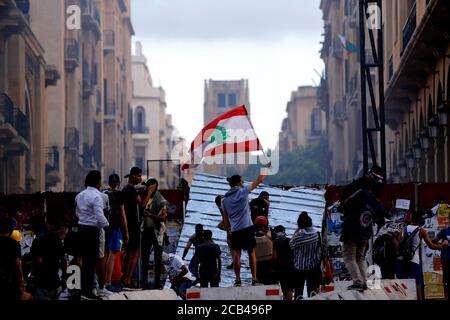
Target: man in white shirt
{"points": [[178, 273], [91, 218]]}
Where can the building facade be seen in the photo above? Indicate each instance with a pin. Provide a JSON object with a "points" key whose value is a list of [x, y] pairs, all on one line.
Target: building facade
{"points": [[117, 82], [305, 121], [24, 76], [417, 81], [154, 136], [220, 97]]}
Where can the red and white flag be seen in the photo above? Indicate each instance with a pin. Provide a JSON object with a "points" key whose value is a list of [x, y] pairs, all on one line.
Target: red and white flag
{"points": [[231, 133]]}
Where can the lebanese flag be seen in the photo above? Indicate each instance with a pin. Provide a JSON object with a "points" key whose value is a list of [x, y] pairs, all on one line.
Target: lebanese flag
{"points": [[232, 133]]}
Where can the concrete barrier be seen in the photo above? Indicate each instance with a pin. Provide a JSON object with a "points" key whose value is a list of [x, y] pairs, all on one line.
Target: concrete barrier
{"points": [[236, 293], [389, 290], [166, 294]]}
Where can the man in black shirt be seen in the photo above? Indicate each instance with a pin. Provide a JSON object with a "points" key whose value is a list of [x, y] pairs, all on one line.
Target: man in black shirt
{"points": [[209, 261], [132, 200], [12, 286], [283, 261], [260, 206], [48, 259]]}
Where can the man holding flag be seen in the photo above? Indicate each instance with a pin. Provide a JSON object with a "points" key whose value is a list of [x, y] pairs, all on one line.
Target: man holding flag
{"points": [[232, 133]]}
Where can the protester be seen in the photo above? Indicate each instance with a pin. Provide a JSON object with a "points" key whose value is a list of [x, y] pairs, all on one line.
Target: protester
{"points": [[208, 258], [12, 285], [305, 244], [196, 239], [179, 275], [361, 209], [49, 259], [260, 206], [283, 262], [237, 215], [444, 236], [155, 215], [117, 233], [131, 201], [409, 266], [101, 265], [263, 251], [222, 227], [89, 210]]}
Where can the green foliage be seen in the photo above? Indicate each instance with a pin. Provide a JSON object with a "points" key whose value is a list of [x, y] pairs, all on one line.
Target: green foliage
{"points": [[303, 166]]}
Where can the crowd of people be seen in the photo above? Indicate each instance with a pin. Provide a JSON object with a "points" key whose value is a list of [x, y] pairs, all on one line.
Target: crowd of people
{"points": [[118, 227]]}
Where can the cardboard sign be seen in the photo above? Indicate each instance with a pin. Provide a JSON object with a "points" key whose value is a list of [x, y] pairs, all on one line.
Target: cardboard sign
{"points": [[403, 204]]}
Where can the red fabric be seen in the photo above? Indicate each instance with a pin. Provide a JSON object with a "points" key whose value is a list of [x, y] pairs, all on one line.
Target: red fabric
{"points": [[117, 271], [246, 146]]}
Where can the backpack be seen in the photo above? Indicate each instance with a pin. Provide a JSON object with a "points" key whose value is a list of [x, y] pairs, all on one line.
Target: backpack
{"points": [[384, 250], [113, 215], [406, 251]]}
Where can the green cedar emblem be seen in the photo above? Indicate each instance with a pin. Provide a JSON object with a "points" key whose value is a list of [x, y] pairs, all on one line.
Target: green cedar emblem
{"points": [[219, 135]]}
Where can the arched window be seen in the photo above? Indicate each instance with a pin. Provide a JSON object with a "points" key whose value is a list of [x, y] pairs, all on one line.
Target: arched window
{"points": [[140, 119]]}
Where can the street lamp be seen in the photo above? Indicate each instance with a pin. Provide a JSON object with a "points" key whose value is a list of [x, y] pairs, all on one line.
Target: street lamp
{"points": [[410, 161], [424, 140], [433, 126], [402, 168], [417, 149], [443, 112]]}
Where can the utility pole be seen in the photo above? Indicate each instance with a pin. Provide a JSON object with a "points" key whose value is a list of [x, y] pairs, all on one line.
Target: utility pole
{"points": [[372, 58]]}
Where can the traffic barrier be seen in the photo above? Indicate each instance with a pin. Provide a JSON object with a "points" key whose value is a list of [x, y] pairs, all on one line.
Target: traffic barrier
{"points": [[388, 290], [165, 294], [236, 293]]}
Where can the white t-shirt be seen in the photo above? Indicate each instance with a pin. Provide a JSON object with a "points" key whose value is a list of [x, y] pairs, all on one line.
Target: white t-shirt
{"points": [[415, 243], [174, 267]]}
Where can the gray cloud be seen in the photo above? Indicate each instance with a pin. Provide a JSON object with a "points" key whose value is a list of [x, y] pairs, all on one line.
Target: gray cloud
{"points": [[219, 19]]}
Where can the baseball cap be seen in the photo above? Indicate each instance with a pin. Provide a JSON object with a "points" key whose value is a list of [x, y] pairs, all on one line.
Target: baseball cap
{"points": [[135, 171], [261, 221]]}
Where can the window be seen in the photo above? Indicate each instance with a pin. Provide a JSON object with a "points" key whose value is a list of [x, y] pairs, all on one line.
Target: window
{"points": [[140, 117], [221, 97], [316, 122], [232, 100], [140, 156]]}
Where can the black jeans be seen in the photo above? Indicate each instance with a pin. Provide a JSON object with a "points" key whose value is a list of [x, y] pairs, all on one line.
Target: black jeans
{"points": [[312, 278], [89, 238], [148, 242]]}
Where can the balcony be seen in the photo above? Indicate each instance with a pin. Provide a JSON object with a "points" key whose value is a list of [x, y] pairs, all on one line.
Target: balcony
{"points": [[91, 21], [52, 168], [109, 41], [337, 49], [72, 139], [340, 113], [88, 83], [141, 130], [6, 117], [88, 156], [22, 125], [110, 110], [71, 54], [410, 27]]}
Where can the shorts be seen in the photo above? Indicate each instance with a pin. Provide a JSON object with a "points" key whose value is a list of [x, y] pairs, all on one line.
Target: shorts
{"points": [[134, 239], [114, 240], [101, 246], [243, 239]]}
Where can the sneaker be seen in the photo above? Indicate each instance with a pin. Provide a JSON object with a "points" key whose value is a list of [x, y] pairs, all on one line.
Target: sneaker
{"points": [[112, 288], [104, 292], [256, 283], [237, 283]]}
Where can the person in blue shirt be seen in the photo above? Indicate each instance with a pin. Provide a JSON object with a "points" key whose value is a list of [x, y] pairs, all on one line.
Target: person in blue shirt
{"points": [[444, 237], [237, 216]]}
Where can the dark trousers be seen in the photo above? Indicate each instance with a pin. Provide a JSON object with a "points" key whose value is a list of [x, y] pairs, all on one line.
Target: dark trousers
{"points": [[312, 278], [89, 238], [209, 282], [150, 241]]}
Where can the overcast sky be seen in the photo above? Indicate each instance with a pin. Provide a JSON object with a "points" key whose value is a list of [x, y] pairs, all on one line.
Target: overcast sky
{"points": [[273, 43]]}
